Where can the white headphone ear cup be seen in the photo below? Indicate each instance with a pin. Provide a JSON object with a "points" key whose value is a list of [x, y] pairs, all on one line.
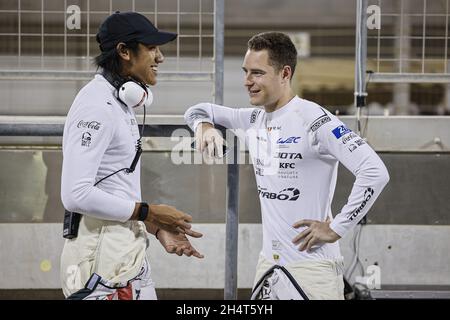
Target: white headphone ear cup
{"points": [[132, 94], [149, 101]]}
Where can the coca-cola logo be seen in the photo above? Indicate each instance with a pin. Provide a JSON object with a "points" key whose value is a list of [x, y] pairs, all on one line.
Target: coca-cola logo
{"points": [[89, 124]]}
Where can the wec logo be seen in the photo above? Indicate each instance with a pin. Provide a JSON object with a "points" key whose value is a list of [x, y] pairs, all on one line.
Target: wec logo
{"points": [[288, 140]]}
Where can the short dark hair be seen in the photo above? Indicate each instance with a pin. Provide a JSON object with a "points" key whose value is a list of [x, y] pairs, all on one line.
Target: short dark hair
{"points": [[110, 60], [281, 50]]}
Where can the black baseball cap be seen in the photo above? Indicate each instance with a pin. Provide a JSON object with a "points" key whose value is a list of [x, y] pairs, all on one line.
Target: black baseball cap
{"points": [[129, 26]]}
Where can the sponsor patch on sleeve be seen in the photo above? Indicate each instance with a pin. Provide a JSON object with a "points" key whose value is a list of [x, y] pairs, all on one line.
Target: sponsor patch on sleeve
{"points": [[320, 122], [340, 131], [349, 137], [356, 144], [95, 125], [254, 115], [86, 139]]}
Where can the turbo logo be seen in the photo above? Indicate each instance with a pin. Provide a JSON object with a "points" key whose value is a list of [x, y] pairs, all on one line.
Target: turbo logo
{"points": [[367, 196], [290, 194]]}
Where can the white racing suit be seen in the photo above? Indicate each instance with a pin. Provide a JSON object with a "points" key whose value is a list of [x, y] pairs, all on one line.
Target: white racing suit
{"points": [[97, 288], [113, 252], [303, 280], [100, 138], [278, 284], [296, 151]]}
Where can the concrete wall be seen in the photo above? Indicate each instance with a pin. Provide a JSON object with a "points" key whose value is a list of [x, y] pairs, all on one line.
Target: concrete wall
{"points": [[406, 255]]}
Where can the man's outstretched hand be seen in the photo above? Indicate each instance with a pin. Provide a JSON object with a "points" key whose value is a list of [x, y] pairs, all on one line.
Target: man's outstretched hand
{"points": [[178, 243]]}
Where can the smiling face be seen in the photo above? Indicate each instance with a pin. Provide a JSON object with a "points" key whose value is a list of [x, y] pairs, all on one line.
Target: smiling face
{"points": [[266, 85], [143, 65]]}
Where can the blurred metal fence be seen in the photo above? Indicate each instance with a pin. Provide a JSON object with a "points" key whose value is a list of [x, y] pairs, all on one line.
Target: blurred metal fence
{"points": [[401, 42], [55, 40], [411, 41]]}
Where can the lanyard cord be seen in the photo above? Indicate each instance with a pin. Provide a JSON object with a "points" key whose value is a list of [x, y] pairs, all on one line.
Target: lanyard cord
{"points": [[136, 157]]}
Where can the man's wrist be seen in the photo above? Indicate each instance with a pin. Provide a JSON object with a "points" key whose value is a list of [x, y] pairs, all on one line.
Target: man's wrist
{"points": [[200, 123], [135, 214], [336, 229], [202, 127]]}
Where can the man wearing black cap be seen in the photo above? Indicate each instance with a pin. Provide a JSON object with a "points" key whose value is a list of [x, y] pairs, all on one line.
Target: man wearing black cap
{"points": [[106, 222]]}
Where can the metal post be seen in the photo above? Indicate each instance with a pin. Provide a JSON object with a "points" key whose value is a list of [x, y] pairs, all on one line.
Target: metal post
{"points": [[232, 226], [218, 50], [232, 218], [403, 29], [360, 57]]}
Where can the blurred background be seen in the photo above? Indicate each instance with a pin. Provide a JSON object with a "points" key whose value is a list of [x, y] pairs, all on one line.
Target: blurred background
{"points": [[46, 58]]}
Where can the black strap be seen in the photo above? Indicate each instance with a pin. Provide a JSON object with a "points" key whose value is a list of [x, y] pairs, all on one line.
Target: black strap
{"points": [[90, 286], [117, 81], [114, 79], [290, 277]]}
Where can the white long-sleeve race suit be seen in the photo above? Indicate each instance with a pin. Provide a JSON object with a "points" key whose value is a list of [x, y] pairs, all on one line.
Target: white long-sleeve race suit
{"points": [[295, 152], [100, 136]]}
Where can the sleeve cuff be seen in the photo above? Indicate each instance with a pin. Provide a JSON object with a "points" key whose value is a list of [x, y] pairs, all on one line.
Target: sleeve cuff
{"points": [[131, 205], [338, 228]]}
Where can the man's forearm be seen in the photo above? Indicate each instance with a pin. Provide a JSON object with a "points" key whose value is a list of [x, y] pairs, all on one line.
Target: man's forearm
{"points": [[367, 187], [92, 201]]}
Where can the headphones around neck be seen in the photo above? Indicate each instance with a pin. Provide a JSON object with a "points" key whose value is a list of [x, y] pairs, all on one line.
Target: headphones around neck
{"points": [[130, 92], [135, 94]]}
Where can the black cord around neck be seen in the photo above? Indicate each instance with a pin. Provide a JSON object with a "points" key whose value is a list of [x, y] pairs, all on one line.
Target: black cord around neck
{"points": [[116, 82], [114, 79]]}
